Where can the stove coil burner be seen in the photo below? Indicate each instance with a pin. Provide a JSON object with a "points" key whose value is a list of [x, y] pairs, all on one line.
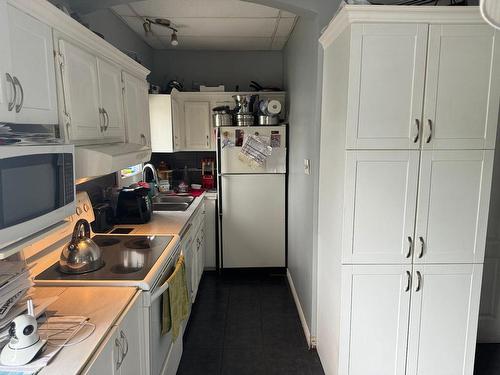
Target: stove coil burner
{"points": [[122, 270], [139, 244], [105, 242]]}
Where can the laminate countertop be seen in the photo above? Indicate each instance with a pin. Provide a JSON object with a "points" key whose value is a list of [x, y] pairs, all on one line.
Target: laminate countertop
{"points": [[102, 305]]}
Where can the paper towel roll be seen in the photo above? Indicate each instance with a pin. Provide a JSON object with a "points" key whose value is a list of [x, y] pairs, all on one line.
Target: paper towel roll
{"points": [[273, 107]]}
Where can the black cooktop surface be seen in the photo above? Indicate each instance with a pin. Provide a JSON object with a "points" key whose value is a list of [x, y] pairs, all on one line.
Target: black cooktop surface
{"points": [[125, 258]]}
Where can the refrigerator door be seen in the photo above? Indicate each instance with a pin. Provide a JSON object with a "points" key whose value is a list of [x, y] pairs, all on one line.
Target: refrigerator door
{"points": [[232, 138], [253, 220]]}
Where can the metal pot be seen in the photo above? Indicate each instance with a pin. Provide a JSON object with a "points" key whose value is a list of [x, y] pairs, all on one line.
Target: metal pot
{"points": [[268, 120], [245, 119], [82, 254], [223, 119]]}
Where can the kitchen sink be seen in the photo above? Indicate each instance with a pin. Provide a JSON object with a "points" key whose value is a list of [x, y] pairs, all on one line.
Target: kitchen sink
{"points": [[172, 203], [173, 199]]}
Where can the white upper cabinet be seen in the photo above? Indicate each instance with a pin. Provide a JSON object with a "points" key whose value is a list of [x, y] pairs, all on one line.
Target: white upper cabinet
{"points": [[453, 201], [376, 304], [136, 103], [83, 119], [443, 319], [110, 89], [386, 86], [7, 90], [28, 86], [197, 125], [462, 88], [160, 111], [379, 183]]}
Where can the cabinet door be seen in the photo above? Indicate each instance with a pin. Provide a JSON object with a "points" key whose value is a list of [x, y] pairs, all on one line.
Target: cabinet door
{"points": [[110, 85], [443, 319], [106, 359], [386, 85], [197, 125], [6, 85], [160, 111], [176, 125], [380, 200], [132, 113], [81, 92], [131, 335], [462, 87], [145, 127], [32, 56], [374, 319], [453, 202]]}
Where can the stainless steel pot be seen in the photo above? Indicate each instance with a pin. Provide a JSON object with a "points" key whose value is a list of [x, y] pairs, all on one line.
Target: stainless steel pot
{"points": [[245, 119], [82, 254], [268, 120], [223, 119]]}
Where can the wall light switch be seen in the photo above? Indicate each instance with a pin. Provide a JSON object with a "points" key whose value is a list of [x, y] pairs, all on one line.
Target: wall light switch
{"points": [[307, 166]]}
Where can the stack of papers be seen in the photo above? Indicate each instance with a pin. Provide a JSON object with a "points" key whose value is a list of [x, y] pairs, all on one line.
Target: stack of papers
{"points": [[14, 284]]}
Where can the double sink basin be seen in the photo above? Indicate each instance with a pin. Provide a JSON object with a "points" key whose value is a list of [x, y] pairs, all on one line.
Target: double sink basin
{"points": [[164, 202]]}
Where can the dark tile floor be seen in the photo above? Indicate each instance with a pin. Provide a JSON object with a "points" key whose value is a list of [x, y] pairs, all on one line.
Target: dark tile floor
{"points": [[487, 359], [246, 324]]}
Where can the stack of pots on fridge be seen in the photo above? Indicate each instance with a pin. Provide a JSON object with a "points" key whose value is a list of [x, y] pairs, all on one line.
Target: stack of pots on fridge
{"points": [[245, 109]]}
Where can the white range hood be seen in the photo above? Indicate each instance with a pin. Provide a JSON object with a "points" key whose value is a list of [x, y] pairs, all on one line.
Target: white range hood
{"points": [[98, 160]]}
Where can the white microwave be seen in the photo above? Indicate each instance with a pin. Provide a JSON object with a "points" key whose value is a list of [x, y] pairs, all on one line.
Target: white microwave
{"points": [[37, 189]]}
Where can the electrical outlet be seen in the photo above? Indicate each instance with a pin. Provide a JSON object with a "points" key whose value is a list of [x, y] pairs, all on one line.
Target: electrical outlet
{"points": [[307, 167]]}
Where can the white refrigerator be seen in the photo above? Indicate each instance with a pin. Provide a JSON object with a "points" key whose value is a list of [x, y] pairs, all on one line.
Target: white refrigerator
{"points": [[252, 197]]}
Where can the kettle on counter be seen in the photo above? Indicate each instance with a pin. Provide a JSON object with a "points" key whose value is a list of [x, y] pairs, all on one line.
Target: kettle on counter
{"points": [[82, 254]]}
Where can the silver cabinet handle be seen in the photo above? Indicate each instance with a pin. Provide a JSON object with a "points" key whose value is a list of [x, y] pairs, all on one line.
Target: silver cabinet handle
{"points": [[20, 105], [106, 119], [124, 337], [410, 246], [419, 282], [12, 103], [408, 284], [429, 137], [208, 143], [119, 362], [101, 117], [417, 124], [422, 246], [143, 137]]}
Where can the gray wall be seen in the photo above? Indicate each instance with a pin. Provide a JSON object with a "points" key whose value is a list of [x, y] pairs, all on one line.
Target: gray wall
{"points": [[211, 68], [119, 34]]}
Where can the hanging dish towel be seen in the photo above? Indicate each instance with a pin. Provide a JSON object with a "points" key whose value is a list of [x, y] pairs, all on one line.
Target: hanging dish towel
{"points": [[175, 300]]}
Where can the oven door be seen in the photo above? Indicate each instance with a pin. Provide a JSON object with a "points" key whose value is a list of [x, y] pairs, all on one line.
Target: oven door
{"points": [[164, 355], [37, 189]]}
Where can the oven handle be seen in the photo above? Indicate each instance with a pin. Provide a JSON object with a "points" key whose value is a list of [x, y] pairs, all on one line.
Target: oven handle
{"points": [[158, 292]]}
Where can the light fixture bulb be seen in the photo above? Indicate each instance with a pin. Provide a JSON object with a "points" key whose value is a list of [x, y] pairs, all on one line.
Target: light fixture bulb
{"points": [[173, 39]]}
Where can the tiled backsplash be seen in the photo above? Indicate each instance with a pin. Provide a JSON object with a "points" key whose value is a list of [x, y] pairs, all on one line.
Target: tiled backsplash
{"points": [[178, 160]]}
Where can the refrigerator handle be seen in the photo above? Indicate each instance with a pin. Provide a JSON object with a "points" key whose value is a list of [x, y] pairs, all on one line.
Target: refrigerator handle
{"points": [[219, 178]]}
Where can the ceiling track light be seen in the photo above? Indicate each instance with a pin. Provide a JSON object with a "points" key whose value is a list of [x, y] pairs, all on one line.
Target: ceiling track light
{"points": [[161, 22]]}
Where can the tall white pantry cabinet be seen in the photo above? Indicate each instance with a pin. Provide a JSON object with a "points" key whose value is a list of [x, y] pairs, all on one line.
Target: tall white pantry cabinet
{"points": [[410, 111]]}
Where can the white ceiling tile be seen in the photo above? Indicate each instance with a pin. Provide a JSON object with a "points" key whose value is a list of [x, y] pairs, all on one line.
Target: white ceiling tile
{"points": [[202, 8], [285, 26], [279, 43], [123, 10], [220, 43]]}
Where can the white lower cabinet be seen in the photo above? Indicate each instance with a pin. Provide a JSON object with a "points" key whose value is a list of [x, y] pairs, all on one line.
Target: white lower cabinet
{"points": [[397, 321], [375, 319], [121, 353], [443, 319]]}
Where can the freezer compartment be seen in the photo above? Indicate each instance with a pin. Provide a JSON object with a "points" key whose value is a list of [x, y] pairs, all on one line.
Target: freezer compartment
{"points": [[253, 220], [232, 139]]}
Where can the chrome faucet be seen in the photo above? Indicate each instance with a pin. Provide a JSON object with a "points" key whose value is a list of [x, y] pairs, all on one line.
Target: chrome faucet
{"points": [[152, 168]]}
